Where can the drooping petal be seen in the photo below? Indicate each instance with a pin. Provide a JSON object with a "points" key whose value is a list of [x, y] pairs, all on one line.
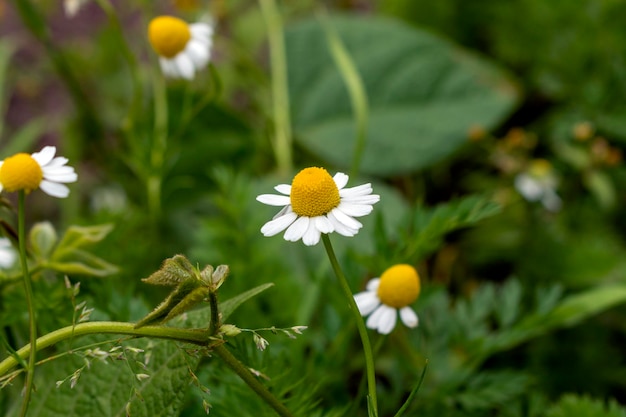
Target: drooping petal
{"points": [[198, 52], [383, 319], [345, 219], [297, 229], [339, 227], [312, 235], [323, 224], [366, 301], [54, 189], [274, 200], [408, 317], [277, 225], [185, 66]]}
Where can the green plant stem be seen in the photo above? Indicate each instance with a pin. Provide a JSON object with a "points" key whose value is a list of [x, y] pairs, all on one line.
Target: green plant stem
{"points": [[159, 146], [245, 374], [280, 92], [214, 325], [360, 324], [356, 89], [196, 336], [30, 303]]}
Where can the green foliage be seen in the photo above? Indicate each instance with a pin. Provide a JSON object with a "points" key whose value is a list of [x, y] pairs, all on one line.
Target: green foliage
{"points": [[424, 94], [584, 406]]}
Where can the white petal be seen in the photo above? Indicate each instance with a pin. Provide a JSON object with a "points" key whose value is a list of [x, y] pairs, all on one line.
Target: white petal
{"points": [[528, 187], [359, 190], [339, 227], [366, 301], [370, 199], [551, 201], [323, 224], [185, 66], [355, 210], [54, 189], [201, 31], [198, 52], [274, 200], [408, 317], [169, 68], [45, 155], [372, 285], [56, 162], [345, 219], [297, 229], [341, 180], [383, 319], [312, 235], [279, 224], [283, 189]]}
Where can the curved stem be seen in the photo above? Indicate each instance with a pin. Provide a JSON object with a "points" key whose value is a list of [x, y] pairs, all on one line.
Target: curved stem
{"points": [[245, 374], [196, 336], [280, 90], [360, 324], [30, 304]]}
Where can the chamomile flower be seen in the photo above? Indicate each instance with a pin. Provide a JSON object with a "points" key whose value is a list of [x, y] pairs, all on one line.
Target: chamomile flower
{"points": [[39, 170], [183, 48], [389, 295], [317, 203], [538, 183]]}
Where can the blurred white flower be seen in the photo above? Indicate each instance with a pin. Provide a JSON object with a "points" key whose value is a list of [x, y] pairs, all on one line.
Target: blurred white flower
{"points": [[388, 296], [183, 48], [8, 255], [539, 183]]}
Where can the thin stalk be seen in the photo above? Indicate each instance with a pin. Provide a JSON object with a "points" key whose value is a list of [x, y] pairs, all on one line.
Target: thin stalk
{"points": [[245, 374], [356, 89], [280, 91], [159, 146], [196, 336], [360, 324], [30, 303]]}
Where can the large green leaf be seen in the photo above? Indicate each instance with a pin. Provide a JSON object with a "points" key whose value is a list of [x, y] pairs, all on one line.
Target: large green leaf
{"points": [[424, 94], [106, 389]]}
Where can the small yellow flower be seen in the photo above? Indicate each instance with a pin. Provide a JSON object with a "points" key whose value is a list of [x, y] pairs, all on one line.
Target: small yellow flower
{"points": [[183, 48], [317, 203], [393, 292], [39, 170]]}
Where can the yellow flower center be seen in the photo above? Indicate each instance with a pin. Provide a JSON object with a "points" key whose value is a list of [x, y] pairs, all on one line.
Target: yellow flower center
{"points": [[20, 172], [168, 35], [399, 286], [313, 192], [540, 168]]}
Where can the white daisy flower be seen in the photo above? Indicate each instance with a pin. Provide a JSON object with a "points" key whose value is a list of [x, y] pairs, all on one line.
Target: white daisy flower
{"points": [[39, 170], [393, 292], [538, 183], [317, 203], [8, 255], [183, 48]]}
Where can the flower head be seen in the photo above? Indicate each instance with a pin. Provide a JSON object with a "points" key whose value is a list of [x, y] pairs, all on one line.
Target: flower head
{"points": [[317, 203], [538, 183], [183, 48], [393, 292], [39, 170]]}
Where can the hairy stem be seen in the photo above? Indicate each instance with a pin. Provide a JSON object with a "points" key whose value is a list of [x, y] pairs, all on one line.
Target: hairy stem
{"points": [[245, 374]]}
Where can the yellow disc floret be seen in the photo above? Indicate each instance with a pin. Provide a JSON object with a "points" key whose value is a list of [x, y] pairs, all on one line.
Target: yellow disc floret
{"points": [[168, 35], [20, 172], [399, 286], [314, 192]]}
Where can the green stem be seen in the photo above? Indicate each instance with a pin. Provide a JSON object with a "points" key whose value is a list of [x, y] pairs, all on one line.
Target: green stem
{"points": [[196, 336], [360, 324], [280, 91], [245, 374], [159, 146], [215, 315], [30, 304]]}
